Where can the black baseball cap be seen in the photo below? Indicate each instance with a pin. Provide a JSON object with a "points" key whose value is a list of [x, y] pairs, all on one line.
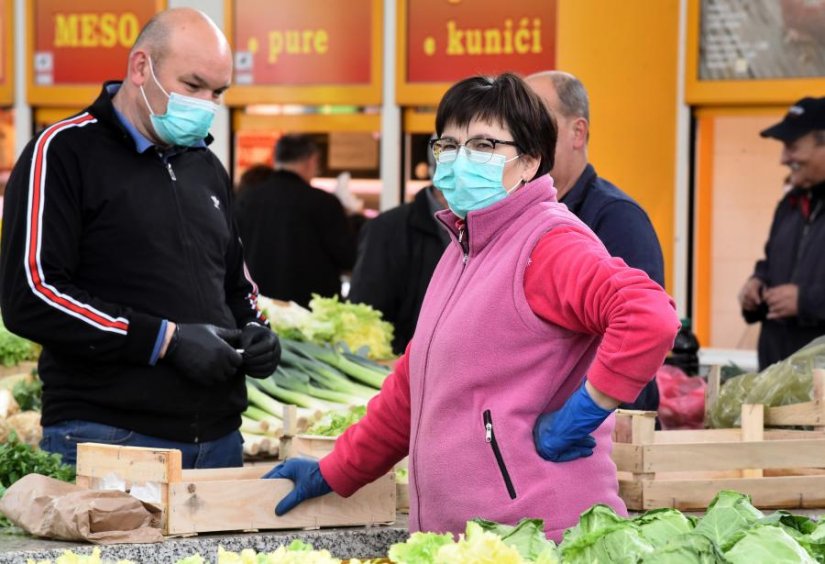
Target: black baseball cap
{"points": [[806, 115]]}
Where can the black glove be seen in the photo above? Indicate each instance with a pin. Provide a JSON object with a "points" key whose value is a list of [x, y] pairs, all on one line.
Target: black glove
{"points": [[261, 350], [204, 353]]}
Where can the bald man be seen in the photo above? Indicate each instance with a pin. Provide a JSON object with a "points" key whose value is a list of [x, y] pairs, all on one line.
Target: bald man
{"points": [[120, 256], [620, 222]]}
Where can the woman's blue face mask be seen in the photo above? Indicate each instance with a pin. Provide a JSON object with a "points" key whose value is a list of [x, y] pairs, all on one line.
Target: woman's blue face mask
{"points": [[469, 185], [187, 120]]}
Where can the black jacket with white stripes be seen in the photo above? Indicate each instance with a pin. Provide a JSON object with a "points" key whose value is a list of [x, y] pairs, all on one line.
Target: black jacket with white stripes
{"points": [[100, 244]]}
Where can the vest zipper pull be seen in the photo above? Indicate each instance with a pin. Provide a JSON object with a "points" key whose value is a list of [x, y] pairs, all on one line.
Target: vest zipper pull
{"points": [[461, 235], [488, 435], [171, 172]]}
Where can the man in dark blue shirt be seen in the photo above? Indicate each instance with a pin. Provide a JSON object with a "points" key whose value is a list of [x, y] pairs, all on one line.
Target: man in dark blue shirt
{"points": [[617, 219]]}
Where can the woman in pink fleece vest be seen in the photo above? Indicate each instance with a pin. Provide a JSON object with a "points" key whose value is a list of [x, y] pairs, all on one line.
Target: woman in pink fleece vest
{"points": [[529, 336]]}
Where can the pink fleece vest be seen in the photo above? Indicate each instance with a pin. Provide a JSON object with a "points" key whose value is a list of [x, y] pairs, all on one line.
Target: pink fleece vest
{"points": [[483, 367]]}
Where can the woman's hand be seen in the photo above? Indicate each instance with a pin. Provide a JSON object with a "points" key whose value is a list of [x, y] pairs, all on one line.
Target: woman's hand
{"points": [[564, 435]]}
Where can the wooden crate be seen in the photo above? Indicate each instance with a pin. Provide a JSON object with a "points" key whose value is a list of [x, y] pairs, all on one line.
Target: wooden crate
{"points": [[228, 499], [781, 468]]}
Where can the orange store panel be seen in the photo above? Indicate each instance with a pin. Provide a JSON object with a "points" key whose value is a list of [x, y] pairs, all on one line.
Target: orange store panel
{"points": [[442, 41], [78, 45], [6, 50], [323, 42]]}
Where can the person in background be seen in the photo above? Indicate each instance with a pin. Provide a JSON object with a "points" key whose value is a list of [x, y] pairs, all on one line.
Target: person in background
{"points": [[529, 336], [786, 291], [397, 254], [120, 256], [297, 239], [618, 220], [256, 174]]}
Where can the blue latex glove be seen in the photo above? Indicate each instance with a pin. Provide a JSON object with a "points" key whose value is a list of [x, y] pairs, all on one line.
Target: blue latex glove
{"points": [[308, 480], [564, 435]]}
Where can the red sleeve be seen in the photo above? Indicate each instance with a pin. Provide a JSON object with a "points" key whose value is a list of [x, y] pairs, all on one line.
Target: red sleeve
{"points": [[573, 282], [370, 448]]}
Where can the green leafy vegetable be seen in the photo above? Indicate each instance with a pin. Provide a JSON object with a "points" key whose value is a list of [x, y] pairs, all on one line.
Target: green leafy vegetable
{"points": [[14, 349], [661, 525], [527, 536], [603, 536], [336, 422], [18, 459], [686, 549], [728, 513], [478, 545], [27, 393], [331, 321], [766, 544], [420, 548]]}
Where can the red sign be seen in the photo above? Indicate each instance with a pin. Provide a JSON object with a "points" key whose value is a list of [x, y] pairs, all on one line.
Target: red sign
{"points": [[448, 40], [85, 41], [311, 42]]}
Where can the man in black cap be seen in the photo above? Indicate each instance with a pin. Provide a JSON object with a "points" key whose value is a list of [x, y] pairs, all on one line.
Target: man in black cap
{"points": [[786, 291]]}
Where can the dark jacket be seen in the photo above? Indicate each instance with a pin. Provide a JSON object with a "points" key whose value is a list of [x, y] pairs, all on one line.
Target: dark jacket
{"points": [[100, 244], [622, 225], [397, 254], [626, 231], [296, 238], [793, 255]]}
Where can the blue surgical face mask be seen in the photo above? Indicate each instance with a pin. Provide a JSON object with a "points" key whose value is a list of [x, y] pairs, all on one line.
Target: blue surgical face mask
{"points": [[468, 186], [187, 120]]}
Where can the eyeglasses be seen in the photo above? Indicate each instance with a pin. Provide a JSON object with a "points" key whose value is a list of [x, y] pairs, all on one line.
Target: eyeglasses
{"points": [[478, 149]]}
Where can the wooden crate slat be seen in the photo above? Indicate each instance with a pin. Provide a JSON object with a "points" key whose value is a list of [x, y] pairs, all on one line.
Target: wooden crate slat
{"points": [[133, 464], [251, 472], [697, 436], [766, 492], [734, 456], [250, 504], [808, 413], [627, 457]]}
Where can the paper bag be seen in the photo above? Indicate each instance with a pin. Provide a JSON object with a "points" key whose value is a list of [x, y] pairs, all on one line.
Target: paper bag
{"points": [[49, 508]]}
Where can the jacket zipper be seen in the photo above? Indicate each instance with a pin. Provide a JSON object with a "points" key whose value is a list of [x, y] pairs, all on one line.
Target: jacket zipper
{"points": [[190, 264], [490, 437], [414, 454], [803, 239]]}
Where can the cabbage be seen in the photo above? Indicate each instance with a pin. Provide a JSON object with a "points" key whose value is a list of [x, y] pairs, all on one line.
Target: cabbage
{"points": [[420, 548]]}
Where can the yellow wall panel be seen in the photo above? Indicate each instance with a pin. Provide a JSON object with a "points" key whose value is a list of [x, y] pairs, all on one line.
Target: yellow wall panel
{"points": [[626, 53]]}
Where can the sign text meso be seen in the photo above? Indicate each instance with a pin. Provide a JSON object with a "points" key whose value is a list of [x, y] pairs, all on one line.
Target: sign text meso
{"points": [[89, 29]]}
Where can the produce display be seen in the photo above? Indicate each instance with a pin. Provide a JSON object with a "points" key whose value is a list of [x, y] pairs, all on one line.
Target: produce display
{"points": [[329, 388], [731, 532], [330, 321], [783, 383], [14, 349]]}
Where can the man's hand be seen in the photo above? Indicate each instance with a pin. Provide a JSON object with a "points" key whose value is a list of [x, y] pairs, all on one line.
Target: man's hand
{"points": [[261, 350], [783, 301], [750, 296], [203, 352], [309, 483]]}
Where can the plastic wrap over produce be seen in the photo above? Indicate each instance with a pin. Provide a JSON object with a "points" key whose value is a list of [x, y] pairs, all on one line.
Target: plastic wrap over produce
{"points": [[786, 382]]}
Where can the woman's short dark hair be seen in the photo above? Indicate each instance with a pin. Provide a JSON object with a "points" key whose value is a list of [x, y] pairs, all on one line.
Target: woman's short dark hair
{"points": [[505, 100]]}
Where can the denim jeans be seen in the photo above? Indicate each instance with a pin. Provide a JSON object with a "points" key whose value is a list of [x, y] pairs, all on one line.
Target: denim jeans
{"points": [[63, 438]]}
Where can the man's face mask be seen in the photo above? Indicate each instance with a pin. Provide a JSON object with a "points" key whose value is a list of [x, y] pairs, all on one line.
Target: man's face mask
{"points": [[471, 179], [187, 120]]}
